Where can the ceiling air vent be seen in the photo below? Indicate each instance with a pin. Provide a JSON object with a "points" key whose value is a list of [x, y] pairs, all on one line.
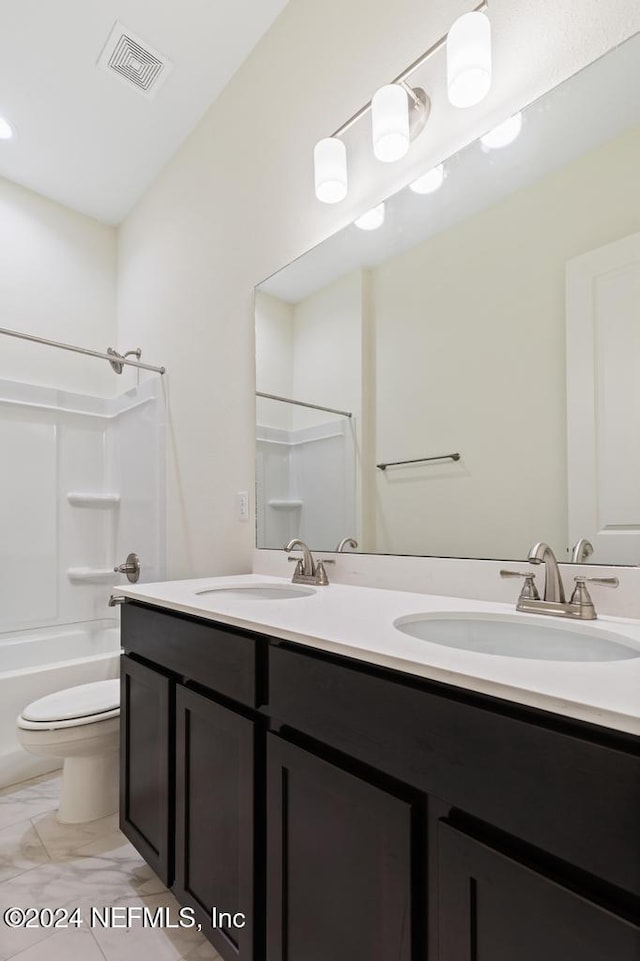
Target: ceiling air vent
{"points": [[133, 61]]}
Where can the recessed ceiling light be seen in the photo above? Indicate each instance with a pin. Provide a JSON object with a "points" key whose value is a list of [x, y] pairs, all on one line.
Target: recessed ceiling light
{"points": [[372, 219], [429, 182], [504, 134], [6, 130]]}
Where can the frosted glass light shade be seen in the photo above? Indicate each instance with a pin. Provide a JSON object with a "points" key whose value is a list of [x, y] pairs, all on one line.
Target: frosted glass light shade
{"points": [[469, 59], [390, 122], [6, 130], [504, 134], [373, 218], [330, 170], [430, 182]]}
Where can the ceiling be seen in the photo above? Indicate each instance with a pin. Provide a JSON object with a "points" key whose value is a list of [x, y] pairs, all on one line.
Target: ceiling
{"points": [[83, 136]]}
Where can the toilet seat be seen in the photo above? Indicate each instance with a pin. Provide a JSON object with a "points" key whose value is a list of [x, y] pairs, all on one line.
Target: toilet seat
{"points": [[73, 707]]}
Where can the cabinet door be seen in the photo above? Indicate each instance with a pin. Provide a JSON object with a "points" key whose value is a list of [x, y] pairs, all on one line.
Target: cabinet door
{"points": [[494, 909], [145, 737], [338, 863], [215, 820]]}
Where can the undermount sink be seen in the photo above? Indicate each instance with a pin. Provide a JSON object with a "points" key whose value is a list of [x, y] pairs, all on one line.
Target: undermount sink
{"points": [[259, 592], [518, 636]]}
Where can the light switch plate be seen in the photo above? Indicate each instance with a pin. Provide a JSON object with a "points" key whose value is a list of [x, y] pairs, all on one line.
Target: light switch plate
{"points": [[243, 505]]}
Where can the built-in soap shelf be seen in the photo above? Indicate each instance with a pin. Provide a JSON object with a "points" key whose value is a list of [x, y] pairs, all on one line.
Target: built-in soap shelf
{"points": [[85, 499], [91, 575], [284, 503]]}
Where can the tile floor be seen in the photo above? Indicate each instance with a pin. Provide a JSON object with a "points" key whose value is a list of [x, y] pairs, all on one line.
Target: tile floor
{"points": [[47, 864]]}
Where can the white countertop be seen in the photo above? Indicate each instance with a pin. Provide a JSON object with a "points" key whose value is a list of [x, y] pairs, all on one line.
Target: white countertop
{"points": [[357, 622]]}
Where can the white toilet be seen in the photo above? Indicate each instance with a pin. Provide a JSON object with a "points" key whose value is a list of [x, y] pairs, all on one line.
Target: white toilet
{"points": [[80, 724]]}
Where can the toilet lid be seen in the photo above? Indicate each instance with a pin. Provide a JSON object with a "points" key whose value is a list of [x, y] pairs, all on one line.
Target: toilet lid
{"points": [[75, 702]]}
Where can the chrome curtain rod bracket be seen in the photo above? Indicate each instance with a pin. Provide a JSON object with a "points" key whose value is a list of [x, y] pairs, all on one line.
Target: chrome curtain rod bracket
{"points": [[418, 460], [301, 403], [402, 77], [115, 359]]}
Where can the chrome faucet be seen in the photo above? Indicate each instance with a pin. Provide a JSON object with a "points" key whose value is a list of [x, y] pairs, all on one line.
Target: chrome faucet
{"points": [[553, 601], [553, 587], [307, 571], [346, 542], [581, 551]]}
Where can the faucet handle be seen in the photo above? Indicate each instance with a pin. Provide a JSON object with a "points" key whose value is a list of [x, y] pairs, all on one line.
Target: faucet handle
{"points": [[581, 595], [602, 581], [529, 590]]}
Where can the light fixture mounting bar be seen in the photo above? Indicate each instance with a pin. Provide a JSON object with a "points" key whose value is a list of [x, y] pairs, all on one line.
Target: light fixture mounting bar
{"points": [[402, 77]]}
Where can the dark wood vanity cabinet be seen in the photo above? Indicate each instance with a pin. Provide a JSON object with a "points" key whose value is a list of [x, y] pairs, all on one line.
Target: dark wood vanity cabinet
{"points": [[351, 812]]}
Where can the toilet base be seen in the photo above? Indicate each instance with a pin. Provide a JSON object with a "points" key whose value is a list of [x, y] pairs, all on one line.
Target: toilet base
{"points": [[90, 788]]}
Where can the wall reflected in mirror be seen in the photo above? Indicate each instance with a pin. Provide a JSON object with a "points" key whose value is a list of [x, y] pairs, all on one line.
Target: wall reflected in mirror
{"points": [[497, 316]]}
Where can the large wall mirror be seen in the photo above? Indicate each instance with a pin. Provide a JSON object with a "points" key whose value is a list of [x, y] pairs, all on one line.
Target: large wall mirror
{"points": [[485, 341]]}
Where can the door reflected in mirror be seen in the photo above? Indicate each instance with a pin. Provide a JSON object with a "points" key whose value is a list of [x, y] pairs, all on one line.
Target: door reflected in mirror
{"points": [[496, 317]]}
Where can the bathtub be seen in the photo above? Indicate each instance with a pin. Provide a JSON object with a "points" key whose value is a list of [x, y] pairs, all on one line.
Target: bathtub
{"points": [[33, 664]]}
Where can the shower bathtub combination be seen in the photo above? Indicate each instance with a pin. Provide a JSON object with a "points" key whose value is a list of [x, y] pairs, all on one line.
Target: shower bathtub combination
{"points": [[82, 486]]}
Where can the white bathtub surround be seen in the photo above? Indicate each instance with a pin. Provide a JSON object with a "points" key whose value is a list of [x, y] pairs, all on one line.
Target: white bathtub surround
{"points": [[36, 663], [81, 725], [357, 622], [105, 457], [305, 483], [91, 865]]}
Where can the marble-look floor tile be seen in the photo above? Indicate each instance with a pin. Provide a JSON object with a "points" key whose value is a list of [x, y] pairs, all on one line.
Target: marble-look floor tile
{"points": [[14, 942], [44, 784], [29, 799], [63, 945], [63, 840], [114, 847], [20, 850], [163, 944]]}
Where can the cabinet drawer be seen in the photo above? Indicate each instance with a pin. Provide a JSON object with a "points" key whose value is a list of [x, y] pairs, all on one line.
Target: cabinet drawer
{"points": [[217, 657], [573, 798]]}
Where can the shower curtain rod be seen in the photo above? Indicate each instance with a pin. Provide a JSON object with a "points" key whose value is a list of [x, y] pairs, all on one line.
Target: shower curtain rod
{"points": [[301, 403], [115, 359]]}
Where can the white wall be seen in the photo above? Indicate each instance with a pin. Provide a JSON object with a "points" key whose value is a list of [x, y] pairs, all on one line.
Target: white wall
{"points": [[327, 349], [274, 359], [57, 280], [470, 347], [236, 203]]}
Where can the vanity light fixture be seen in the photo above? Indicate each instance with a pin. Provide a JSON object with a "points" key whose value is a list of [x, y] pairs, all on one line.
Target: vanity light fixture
{"points": [[504, 134], [373, 218], [469, 59], [399, 112], [390, 122], [430, 182], [6, 130], [330, 167]]}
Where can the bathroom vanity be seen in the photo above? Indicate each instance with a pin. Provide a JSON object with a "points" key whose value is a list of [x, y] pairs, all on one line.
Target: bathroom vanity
{"points": [[338, 800]]}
